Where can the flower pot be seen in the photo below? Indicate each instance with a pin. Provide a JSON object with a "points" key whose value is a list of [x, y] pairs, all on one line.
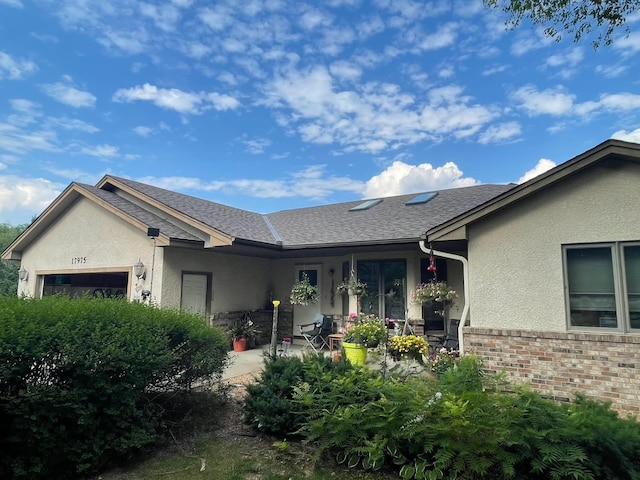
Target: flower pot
{"points": [[355, 353], [239, 344]]}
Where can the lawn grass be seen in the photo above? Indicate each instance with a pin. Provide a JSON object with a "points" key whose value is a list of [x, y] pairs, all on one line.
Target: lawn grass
{"points": [[206, 429], [242, 458]]}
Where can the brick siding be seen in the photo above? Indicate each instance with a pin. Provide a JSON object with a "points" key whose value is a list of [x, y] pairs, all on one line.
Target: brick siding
{"points": [[560, 364]]}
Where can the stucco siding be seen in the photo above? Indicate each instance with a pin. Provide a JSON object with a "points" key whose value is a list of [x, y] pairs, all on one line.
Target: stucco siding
{"points": [[515, 256], [84, 231], [238, 283]]}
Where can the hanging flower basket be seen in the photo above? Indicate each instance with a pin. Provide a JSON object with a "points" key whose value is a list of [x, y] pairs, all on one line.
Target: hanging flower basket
{"points": [[352, 287], [433, 292], [303, 293]]}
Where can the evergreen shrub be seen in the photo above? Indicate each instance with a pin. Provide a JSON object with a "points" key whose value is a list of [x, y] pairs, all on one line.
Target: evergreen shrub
{"points": [[269, 405], [79, 379]]}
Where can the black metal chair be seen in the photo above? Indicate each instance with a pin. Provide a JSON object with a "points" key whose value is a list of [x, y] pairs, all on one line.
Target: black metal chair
{"points": [[449, 340], [317, 333]]}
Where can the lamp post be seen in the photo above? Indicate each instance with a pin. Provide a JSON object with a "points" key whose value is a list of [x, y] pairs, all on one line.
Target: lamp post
{"points": [[274, 329]]}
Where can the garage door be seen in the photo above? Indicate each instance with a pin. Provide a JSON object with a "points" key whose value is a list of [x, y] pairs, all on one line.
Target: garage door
{"points": [[107, 285]]}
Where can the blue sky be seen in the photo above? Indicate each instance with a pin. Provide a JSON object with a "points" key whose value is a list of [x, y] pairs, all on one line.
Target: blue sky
{"points": [[269, 104]]}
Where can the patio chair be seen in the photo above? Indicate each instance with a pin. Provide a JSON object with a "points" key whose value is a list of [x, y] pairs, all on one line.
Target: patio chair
{"points": [[449, 340], [317, 333]]}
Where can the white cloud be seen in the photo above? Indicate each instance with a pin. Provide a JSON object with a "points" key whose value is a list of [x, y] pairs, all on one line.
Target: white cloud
{"points": [[131, 42], [310, 182], [554, 101], [500, 133], [611, 71], [618, 102], [101, 151], [628, 45], [12, 3], [401, 178], [65, 93], [15, 140], [445, 36], [345, 70], [71, 124], [23, 198], [313, 18], [176, 99], [165, 17], [631, 136], [14, 69], [542, 166], [257, 145], [374, 116], [143, 131], [570, 58]]}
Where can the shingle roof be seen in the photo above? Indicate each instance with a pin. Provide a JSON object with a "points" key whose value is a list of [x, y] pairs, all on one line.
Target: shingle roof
{"points": [[390, 221], [232, 221], [140, 213]]}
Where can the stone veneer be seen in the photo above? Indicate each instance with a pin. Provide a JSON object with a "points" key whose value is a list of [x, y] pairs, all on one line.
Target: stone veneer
{"points": [[561, 364], [263, 320]]}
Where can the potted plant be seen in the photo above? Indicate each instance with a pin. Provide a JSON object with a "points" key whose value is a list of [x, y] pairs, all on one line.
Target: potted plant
{"points": [[407, 347], [352, 286], [303, 293], [242, 332], [362, 332]]}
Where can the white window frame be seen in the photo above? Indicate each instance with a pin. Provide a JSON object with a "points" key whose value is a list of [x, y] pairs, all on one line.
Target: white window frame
{"points": [[620, 287]]}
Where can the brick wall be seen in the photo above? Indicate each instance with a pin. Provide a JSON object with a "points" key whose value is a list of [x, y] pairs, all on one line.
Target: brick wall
{"points": [[604, 367]]}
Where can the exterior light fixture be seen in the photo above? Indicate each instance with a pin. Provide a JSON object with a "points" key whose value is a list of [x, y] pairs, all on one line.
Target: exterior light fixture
{"points": [[139, 270], [23, 274]]}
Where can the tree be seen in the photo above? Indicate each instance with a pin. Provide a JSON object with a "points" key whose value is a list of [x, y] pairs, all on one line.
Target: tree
{"points": [[9, 270], [576, 17]]}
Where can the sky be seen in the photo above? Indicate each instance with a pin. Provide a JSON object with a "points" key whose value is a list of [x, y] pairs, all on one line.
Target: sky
{"points": [[268, 105]]}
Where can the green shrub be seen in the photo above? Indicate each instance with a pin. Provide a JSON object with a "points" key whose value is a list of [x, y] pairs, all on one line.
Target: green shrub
{"points": [[269, 404], [464, 424], [78, 379]]}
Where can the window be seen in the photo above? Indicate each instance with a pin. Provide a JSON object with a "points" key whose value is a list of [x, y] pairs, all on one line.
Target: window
{"points": [[366, 205], [422, 198], [603, 286], [386, 293]]}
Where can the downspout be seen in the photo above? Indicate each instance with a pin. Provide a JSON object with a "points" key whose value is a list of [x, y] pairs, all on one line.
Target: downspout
{"points": [[465, 280]]}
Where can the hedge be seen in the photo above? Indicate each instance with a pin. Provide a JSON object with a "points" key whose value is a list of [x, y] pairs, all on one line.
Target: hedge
{"points": [[80, 379]]}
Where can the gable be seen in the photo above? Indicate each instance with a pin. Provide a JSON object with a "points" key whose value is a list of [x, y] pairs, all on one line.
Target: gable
{"points": [[611, 152]]}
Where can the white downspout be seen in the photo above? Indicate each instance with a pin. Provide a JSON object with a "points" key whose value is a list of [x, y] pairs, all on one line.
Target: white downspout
{"points": [[465, 286]]}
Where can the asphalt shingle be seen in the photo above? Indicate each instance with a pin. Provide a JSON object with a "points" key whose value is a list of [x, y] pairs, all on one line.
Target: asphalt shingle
{"points": [[389, 221]]}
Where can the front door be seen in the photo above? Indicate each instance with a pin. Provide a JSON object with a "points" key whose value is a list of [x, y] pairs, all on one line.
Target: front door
{"points": [[194, 293], [305, 314]]}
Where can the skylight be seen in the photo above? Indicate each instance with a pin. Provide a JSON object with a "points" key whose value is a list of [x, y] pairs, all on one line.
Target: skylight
{"points": [[366, 205], [422, 198]]}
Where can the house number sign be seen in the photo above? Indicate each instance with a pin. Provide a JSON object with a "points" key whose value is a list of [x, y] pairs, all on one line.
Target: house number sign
{"points": [[78, 260]]}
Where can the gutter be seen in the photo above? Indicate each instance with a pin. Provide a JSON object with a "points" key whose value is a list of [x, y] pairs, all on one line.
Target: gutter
{"points": [[465, 280]]}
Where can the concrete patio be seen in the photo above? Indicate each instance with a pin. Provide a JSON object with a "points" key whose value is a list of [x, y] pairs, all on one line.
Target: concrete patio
{"points": [[251, 361]]}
